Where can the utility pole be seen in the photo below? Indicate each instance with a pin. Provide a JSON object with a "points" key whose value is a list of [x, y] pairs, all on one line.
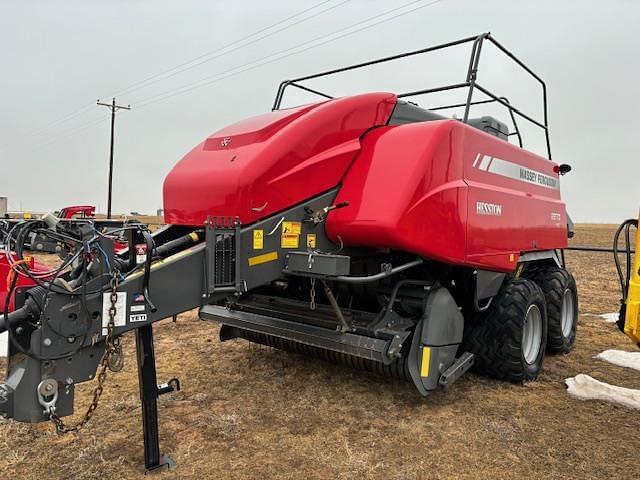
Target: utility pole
{"points": [[114, 108]]}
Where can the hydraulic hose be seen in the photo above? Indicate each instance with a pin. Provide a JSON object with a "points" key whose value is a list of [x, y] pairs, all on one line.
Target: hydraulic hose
{"points": [[378, 276], [18, 316], [626, 277], [183, 241], [623, 277], [147, 271]]}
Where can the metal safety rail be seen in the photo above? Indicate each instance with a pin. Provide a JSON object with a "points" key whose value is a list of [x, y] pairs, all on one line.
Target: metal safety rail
{"points": [[471, 83]]}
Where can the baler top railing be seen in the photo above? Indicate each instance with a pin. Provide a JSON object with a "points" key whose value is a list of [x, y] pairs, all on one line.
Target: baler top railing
{"points": [[470, 83]]}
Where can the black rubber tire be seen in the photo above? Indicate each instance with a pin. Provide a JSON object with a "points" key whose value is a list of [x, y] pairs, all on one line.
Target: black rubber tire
{"points": [[495, 336], [554, 281]]}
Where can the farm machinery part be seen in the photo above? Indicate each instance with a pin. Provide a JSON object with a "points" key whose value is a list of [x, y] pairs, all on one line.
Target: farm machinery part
{"points": [[76, 214], [364, 230], [629, 277]]}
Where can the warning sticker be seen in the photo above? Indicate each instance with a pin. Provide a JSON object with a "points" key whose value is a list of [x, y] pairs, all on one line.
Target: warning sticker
{"points": [[311, 240], [292, 227], [141, 253], [290, 240], [121, 311], [258, 239]]}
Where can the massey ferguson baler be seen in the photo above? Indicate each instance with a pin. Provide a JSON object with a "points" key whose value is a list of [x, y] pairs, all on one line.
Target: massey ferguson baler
{"points": [[364, 229]]}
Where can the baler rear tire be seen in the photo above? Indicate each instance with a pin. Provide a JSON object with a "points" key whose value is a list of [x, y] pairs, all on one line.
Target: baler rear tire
{"points": [[496, 337], [556, 284]]}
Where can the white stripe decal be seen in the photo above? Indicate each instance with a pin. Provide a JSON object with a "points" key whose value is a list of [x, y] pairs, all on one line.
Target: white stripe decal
{"points": [[515, 171], [484, 164]]}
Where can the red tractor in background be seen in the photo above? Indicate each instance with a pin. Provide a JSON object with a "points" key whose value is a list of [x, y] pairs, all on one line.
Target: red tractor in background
{"points": [[22, 282], [79, 211], [41, 242]]}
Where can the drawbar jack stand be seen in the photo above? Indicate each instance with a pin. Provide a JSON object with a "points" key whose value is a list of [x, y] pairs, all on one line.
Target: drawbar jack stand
{"points": [[149, 392]]}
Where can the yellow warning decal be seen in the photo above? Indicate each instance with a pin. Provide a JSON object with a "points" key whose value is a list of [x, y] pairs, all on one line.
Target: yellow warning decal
{"points": [[292, 227], [264, 258], [311, 240], [426, 354], [290, 240], [258, 239]]}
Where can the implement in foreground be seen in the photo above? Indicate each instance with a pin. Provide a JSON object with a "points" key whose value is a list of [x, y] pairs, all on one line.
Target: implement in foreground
{"points": [[363, 229]]}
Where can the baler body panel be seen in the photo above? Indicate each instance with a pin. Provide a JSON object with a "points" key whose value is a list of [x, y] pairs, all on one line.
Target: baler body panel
{"points": [[449, 192], [268, 163], [405, 192], [526, 189], [440, 189]]}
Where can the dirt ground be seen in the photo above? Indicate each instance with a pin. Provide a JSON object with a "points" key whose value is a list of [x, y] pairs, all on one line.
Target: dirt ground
{"points": [[247, 412]]}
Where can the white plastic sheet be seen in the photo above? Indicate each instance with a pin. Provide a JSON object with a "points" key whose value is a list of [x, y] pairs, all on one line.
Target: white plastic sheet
{"points": [[621, 358], [585, 387]]}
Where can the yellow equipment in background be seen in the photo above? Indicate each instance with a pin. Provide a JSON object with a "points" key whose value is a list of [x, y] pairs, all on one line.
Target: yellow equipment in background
{"points": [[629, 320]]}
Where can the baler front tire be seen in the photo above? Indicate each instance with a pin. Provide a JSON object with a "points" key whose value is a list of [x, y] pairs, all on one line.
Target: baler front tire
{"points": [[497, 337], [561, 294]]}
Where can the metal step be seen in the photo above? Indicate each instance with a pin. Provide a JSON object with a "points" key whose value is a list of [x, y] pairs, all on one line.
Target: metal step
{"points": [[463, 363], [348, 343]]}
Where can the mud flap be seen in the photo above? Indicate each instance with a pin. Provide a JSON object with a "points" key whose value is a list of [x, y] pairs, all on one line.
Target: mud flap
{"points": [[435, 341]]}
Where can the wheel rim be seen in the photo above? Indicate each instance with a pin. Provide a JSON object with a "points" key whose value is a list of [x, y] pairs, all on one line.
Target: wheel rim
{"points": [[568, 313], [532, 334]]}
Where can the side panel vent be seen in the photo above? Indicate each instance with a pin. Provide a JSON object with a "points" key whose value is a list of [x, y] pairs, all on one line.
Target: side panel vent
{"points": [[223, 251]]}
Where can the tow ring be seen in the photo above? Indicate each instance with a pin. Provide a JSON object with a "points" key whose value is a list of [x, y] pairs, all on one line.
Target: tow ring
{"points": [[48, 395]]}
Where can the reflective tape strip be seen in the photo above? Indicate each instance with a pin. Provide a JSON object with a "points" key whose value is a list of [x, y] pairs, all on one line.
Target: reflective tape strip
{"points": [[426, 354], [264, 258]]}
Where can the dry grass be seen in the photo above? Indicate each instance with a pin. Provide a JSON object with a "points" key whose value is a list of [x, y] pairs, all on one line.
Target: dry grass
{"points": [[251, 412]]}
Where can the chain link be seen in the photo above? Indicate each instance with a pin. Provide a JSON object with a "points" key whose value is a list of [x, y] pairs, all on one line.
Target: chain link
{"points": [[112, 347], [312, 293]]}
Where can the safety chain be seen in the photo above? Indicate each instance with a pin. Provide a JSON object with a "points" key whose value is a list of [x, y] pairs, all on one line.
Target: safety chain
{"points": [[112, 349], [312, 293]]}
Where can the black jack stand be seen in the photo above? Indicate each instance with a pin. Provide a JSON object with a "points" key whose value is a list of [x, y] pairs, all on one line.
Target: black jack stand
{"points": [[149, 392]]}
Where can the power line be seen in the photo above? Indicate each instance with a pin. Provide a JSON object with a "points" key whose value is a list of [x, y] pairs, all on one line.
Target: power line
{"points": [[61, 120], [252, 65], [148, 81], [201, 59], [37, 131], [64, 134]]}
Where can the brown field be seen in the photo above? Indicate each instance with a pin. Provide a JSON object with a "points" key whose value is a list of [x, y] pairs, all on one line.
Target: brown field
{"points": [[252, 412]]}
